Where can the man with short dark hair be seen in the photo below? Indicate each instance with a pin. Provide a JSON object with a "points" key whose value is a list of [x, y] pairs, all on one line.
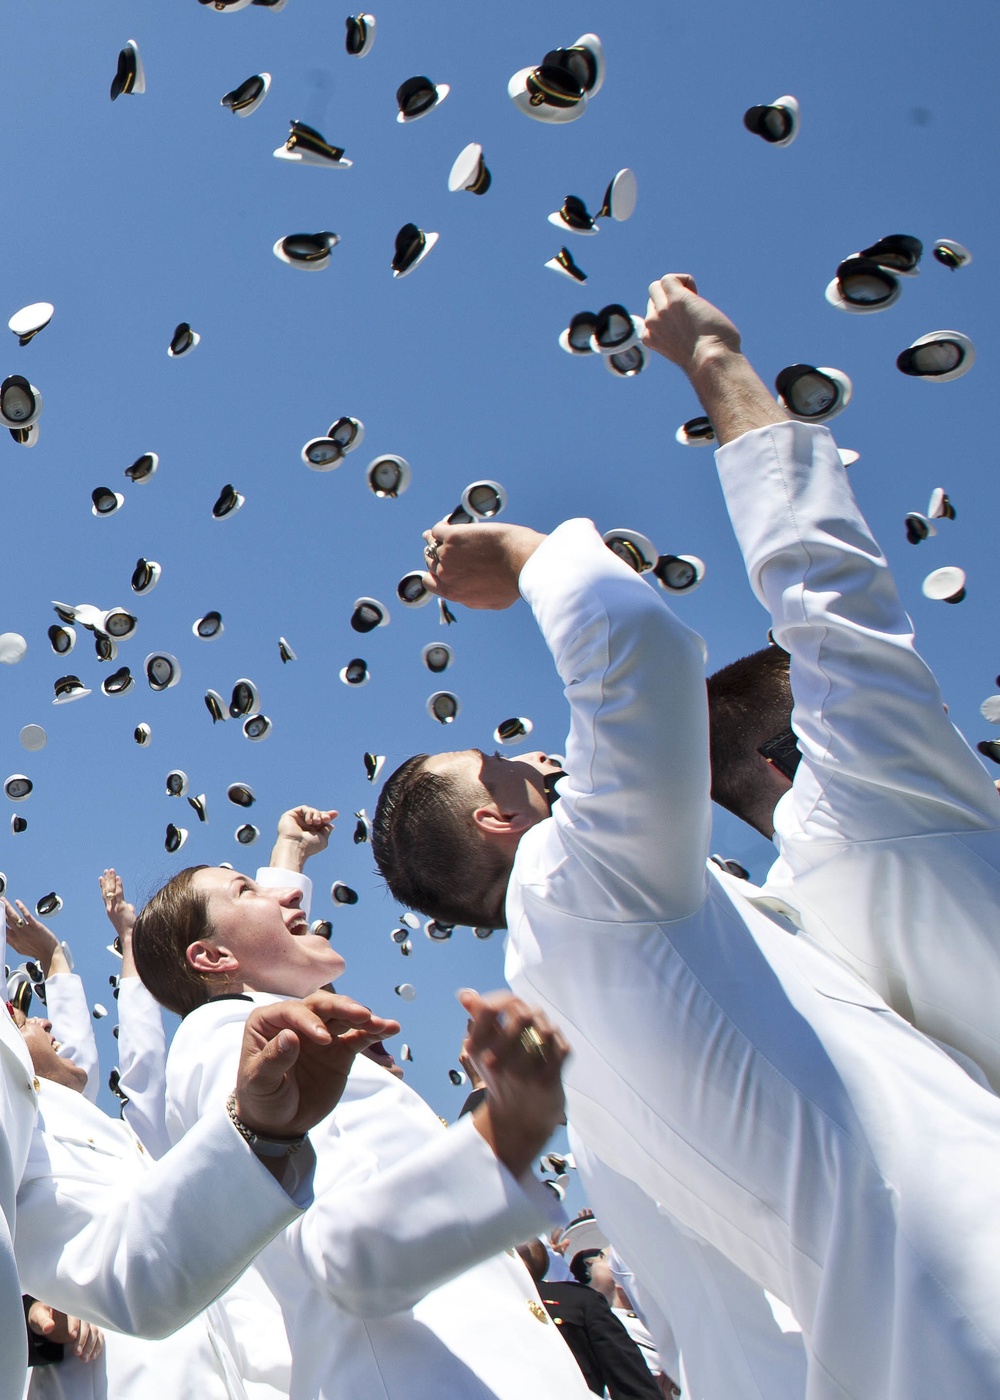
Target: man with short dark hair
{"points": [[783, 1113], [888, 829]]}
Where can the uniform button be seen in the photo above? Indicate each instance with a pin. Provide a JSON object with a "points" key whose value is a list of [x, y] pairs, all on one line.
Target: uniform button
{"points": [[36, 1085], [537, 1310]]}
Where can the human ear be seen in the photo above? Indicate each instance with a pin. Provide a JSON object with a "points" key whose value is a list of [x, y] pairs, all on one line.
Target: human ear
{"points": [[492, 822], [211, 958]]}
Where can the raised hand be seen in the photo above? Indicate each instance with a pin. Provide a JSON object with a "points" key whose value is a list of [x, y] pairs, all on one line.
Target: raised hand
{"points": [[295, 1059], [30, 937], [519, 1055], [478, 565], [302, 832]]}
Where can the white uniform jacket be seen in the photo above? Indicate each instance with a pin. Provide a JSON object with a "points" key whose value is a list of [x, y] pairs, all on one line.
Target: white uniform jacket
{"points": [[73, 1026], [392, 1284], [778, 1108], [17, 1119], [889, 840], [142, 1064]]}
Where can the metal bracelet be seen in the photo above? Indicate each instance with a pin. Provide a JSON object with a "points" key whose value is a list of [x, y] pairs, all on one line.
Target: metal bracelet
{"points": [[262, 1146]]}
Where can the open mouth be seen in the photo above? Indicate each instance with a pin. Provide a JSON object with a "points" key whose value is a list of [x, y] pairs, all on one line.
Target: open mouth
{"points": [[298, 925]]}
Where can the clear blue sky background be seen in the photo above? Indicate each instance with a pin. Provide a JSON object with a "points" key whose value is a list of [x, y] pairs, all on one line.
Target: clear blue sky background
{"points": [[133, 216]]}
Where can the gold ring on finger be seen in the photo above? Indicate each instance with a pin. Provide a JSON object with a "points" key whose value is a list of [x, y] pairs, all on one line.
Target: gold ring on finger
{"points": [[533, 1043]]}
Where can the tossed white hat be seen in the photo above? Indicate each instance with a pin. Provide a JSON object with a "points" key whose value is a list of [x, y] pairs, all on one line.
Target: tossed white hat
{"points": [[576, 338], [143, 735], [412, 246], [356, 672], [20, 402], [33, 737], [130, 76], [418, 96], [48, 905], [117, 623], [615, 330], [406, 990], [208, 627], [679, 573], [940, 507], [245, 699], [374, 763], [443, 706], [285, 651], [945, 585], [183, 341], [938, 357], [953, 255], [228, 503], [574, 217], [566, 265], [119, 683], [68, 688], [247, 834], [620, 197], [990, 709], [388, 476], [163, 671], [256, 727], [216, 706], [470, 172], [308, 251], [899, 252], [696, 432], [775, 122], [360, 35], [863, 287], [918, 527], [62, 639], [484, 500], [105, 501], [177, 782], [322, 454], [437, 657], [25, 437], [813, 393], [13, 648], [512, 731], [634, 549], [18, 787], [411, 590], [27, 322], [241, 794], [143, 468], [548, 93], [347, 432], [174, 838], [369, 613], [307, 146], [342, 894], [626, 364], [145, 575], [248, 96]]}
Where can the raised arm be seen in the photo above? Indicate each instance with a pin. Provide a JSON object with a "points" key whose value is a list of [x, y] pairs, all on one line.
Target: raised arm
{"points": [[868, 710]]}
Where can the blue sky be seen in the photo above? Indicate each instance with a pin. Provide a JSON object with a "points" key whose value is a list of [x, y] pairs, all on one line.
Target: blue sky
{"points": [[133, 216]]}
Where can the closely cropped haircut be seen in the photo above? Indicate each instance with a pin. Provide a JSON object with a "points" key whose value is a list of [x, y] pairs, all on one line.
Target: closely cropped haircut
{"points": [[176, 916], [428, 851], [749, 702], [579, 1265]]}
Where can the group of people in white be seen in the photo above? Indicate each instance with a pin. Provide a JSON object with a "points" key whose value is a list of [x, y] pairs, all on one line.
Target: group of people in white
{"points": [[797, 1165]]}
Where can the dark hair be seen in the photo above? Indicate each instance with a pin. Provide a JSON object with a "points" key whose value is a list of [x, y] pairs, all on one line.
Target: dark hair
{"points": [[176, 916], [579, 1265], [749, 702], [428, 851], [535, 1258]]}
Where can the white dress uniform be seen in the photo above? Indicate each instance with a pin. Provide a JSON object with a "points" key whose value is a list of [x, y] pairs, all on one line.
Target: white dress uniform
{"points": [[393, 1284], [66, 1007], [889, 839], [792, 1120], [142, 1065]]}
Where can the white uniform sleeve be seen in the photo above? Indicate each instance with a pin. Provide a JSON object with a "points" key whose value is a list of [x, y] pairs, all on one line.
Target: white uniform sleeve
{"points": [[880, 757], [637, 753], [72, 1025], [377, 1240], [142, 1063], [273, 877], [144, 1255]]}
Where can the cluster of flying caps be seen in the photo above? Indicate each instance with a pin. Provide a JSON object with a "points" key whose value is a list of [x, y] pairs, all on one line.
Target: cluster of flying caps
{"points": [[938, 357], [559, 89], [360, 35], [308, 251], [813, 394], [27, 322], [183, 341], [945, 585], [953, 255], [869, 281], [676, 573], [307, 146], [412, 246], [920, 527], [613, 333], [248, 96], [388, 476], [245, 705], [512, 731], [776, 122], [470, 172], [618, 203], [418, 96], [322, 454], [130, 76], [143, 468]]}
